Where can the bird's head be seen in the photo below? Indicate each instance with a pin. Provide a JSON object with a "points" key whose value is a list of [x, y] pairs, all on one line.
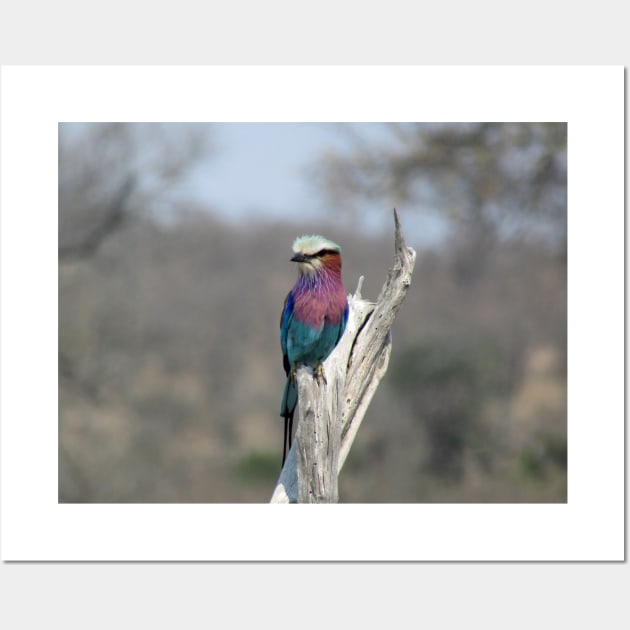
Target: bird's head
{"points": [[314, 253]]}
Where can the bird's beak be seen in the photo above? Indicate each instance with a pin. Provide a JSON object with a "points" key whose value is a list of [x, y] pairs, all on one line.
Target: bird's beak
{"points": [[299, 258]]}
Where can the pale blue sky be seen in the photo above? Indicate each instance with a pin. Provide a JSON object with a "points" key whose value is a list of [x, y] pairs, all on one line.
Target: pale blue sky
{"points": [[263, 167]]}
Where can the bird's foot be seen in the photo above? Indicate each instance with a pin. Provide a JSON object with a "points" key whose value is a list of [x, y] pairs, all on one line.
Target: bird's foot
{"points": [[294, 374], [319, 373]]}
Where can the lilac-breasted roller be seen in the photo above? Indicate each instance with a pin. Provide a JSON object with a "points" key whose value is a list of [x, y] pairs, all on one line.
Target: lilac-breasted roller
{"points": [[313, 318]]}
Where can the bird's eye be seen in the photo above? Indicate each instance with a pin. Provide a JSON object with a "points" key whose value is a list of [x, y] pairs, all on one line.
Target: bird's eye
{"points": [[323, 252]]}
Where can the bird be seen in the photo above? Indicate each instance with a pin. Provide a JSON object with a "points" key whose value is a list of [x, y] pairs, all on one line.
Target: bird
{"points": [[313, 319]]}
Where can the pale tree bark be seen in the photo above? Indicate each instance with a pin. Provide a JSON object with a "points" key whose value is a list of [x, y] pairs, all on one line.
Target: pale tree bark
{"points": [[330, 413]]}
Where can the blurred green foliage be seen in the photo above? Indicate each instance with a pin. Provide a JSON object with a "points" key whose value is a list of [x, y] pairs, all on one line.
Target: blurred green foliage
{"points": [[442, 383], [539, 461], [256, 467]]}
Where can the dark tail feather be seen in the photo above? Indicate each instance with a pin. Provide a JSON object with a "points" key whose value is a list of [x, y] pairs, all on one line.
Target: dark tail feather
{"points": [[290, 430], [287, 409], [284, 443], [288, 433]]}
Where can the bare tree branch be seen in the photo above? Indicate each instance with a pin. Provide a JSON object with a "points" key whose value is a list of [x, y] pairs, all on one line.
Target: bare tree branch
{"points": [[329, 414], [112, 221]]}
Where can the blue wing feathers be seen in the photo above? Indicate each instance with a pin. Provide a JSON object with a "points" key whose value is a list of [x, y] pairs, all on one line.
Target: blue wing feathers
{"points": [[285, 322]]}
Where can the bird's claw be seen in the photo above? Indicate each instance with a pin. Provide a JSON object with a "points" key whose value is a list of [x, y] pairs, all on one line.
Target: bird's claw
{"points": [[319, 373]]}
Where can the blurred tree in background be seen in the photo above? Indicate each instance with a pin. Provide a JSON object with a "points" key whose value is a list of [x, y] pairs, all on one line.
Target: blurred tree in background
{"points": [[486, 182], [170, 367], [108, 172]]}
